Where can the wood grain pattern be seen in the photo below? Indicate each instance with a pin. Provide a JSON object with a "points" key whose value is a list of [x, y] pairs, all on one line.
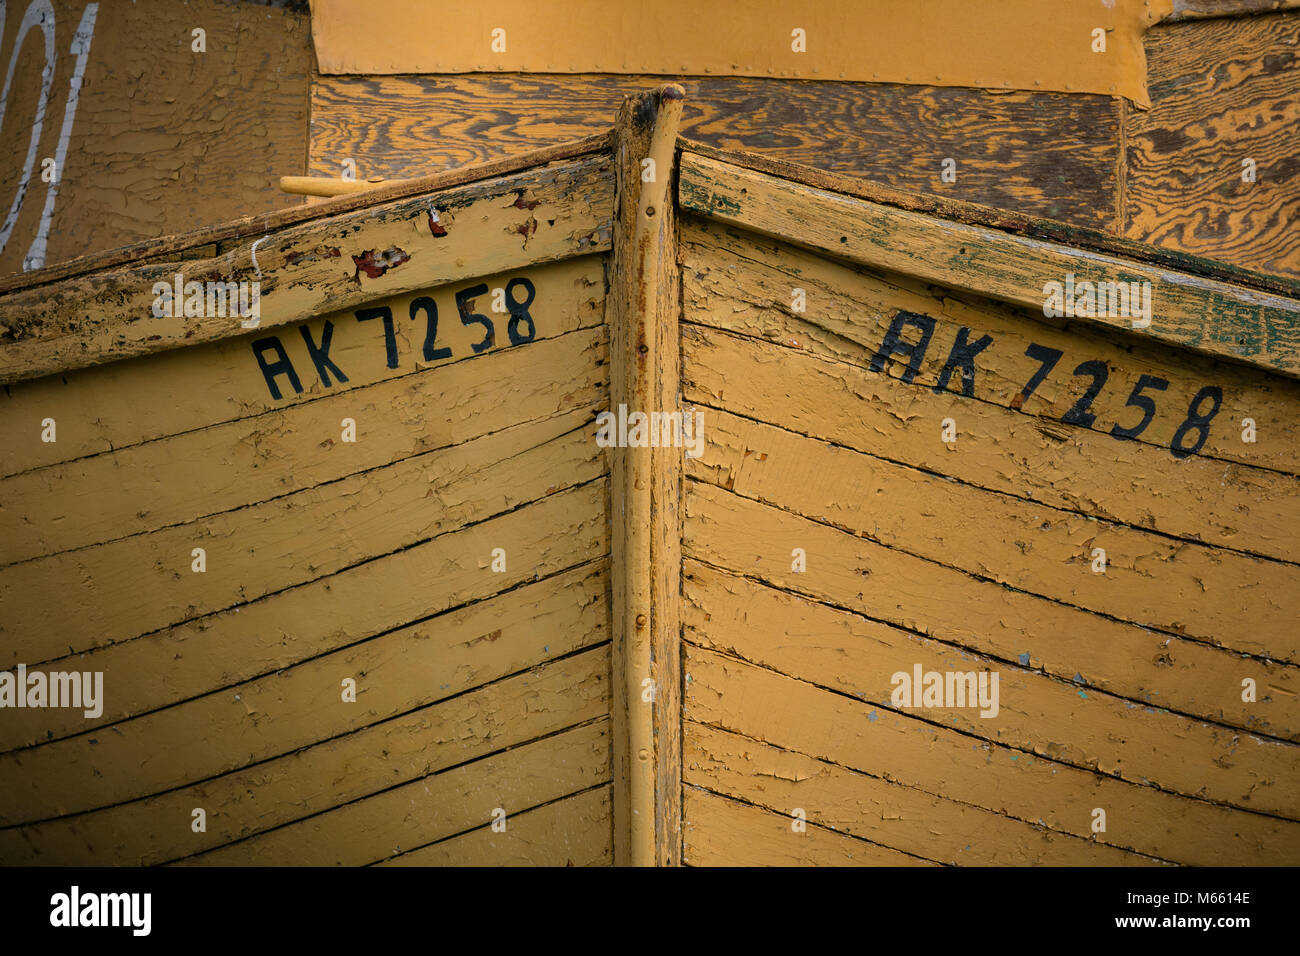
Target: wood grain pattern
{"points": [[1048, 154], [165, 139], [1222, 91]]}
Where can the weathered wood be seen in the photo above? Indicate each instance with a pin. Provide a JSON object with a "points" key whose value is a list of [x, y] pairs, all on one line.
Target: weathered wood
{"points": [[1198, 314], [559, 532], [1049, 717], [643, 311], [358, 756], [162, 137], [534, 216], [492, 635], [1047, 154], [894, 816], [1151, 582], [143, 583], [1079, 237], [719, 831], [113, 406], [1223, 92], [793, 715], [203, 243], [206, 472], [573, 831], [432, 807], [741, 283], [1074, 469], [1200, 9]]}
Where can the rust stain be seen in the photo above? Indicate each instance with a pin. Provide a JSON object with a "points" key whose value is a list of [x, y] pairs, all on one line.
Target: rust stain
{"points": [[375, 264], [436, 228]]}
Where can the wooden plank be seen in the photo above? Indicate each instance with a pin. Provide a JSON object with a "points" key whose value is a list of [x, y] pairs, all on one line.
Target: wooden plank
{"points": [[202, 141], [205, 242], [1223, 92], [743, 283], [114, 406], [1189, 592], [1080, 238], [143, 583], [883, 812], [1198, 499], [54, 775], [432, 807], [1052, 718], [331, 612], [1200, 9], [793, 715], [718, 831], [1230, 766], [324, 775], [646, 486], [1048, 154], [540, 215], [491, 635], [572, 831], [1203, 315], [206, 472]]}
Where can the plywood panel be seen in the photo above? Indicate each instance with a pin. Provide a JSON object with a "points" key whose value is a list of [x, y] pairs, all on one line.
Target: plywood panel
{"points": [[212, 470], [793, 715], [718, 831], [1223, 91], [163, 139], [429, 808], [143, 583], [114, 406], [1050, 154], [573, 831], [347, 765]]}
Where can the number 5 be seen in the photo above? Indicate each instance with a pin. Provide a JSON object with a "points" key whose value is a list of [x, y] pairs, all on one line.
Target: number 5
{"points": [[464, 302], [1145, 402]]}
